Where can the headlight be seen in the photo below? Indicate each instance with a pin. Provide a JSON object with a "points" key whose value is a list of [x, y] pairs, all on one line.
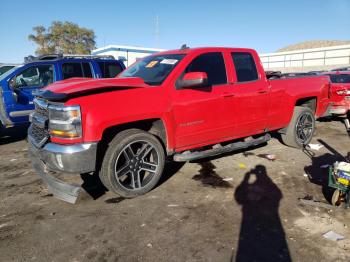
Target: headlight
{"points": [[65, 122]]}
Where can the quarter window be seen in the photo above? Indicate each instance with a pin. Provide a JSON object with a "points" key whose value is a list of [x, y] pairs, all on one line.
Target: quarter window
{"points": [[211, 63], [245, 66]]}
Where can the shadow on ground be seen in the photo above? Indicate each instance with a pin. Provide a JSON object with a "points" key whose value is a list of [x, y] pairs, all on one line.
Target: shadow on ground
{"points": [[93, 186], [318, 172], [13, 134], [262, 237]]}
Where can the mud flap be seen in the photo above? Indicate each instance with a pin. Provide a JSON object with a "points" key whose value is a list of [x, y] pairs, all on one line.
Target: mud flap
{"points": [[61, 190]]}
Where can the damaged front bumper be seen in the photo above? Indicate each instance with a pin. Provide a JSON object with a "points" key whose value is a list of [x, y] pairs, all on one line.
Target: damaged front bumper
{"points": [[75, 159]]}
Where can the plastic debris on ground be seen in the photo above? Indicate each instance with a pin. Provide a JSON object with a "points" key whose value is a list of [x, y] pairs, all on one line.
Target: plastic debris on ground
{"points": [[315, 146], [242, 166], [173, 205], [270, 157], [228, 179], [306, 175], [331, 235]]}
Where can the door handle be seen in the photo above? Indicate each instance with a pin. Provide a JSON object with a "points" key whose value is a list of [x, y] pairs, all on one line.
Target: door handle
{"points": [[227, 95], [262, 91]]}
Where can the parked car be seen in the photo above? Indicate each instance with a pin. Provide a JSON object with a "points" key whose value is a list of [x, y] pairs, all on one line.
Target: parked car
{"points": [[187, 104], [6, 67], [340, 92], [297, 74], [345, 68], [18, 84]]}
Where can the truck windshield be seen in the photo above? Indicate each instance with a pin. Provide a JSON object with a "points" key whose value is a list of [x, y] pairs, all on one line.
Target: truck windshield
{"points": [[341, 78], [153, 69]]}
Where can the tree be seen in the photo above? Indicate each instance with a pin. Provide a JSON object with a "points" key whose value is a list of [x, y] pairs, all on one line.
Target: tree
{"points": [[63, 37]]}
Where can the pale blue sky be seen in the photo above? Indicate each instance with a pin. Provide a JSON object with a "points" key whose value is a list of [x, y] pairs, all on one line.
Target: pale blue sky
{"points": [[264, 25]]}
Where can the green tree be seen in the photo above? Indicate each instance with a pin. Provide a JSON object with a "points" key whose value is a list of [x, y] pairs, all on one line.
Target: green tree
{"points": [[63, 37]]}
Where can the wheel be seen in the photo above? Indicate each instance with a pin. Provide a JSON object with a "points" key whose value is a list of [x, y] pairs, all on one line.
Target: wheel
{"points": [[336, 198], [133, 163], [300, 129]]}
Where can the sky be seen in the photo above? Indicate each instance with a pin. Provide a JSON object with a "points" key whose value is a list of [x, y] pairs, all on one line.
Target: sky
{"points": [[264, 25]]}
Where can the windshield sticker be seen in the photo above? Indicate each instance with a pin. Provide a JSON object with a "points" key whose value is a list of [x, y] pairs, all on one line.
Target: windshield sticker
{"points": [[169, 61], [151, 64]]}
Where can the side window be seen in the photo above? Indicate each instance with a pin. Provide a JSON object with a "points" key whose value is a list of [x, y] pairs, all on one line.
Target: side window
{"points": [[211, 63], [109, 69], [87, 69], [70, 70], [245, 66], [35, 76]]}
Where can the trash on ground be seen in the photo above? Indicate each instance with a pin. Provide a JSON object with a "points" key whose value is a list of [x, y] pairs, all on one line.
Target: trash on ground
{"points": [[143, 225], [173, 205], [331, 235], [315, 146], [306, 175], [3, 225], [242, 166], [13, 159], [228, 179], [149, 245], [268, 156]]}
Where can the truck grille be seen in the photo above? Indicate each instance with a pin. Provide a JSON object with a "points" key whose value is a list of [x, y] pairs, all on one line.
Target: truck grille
{"points": [[38, 130]]}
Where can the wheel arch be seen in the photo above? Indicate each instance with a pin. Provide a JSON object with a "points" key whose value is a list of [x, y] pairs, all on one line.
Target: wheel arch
{"points": [[309, 102]]}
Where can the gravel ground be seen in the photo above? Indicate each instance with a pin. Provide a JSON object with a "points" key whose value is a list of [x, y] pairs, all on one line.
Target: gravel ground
{"points": [[240, 207]]}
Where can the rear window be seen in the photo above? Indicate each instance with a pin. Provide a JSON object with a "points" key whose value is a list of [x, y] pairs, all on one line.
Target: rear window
{"points": [[109, 69], [345, 78], [245, 66]]}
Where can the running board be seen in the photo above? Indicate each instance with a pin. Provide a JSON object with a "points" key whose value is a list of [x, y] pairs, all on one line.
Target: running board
{"points": [[218, 149]]}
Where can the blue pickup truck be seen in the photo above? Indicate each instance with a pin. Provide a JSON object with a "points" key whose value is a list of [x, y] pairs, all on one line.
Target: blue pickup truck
{"points": [[18, 84]]}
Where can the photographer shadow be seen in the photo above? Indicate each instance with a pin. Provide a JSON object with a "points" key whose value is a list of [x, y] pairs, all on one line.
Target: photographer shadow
{"points": [[262, 237]]}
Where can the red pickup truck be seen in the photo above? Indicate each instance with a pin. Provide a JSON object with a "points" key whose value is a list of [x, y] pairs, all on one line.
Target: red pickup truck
{"points": [[186, 103]]}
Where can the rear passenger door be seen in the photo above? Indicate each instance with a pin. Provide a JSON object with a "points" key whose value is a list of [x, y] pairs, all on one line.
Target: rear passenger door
{"points": [[251, 95], [76, 69]]}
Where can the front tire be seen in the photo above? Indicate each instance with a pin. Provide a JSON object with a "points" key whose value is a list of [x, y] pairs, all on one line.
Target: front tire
{"points": [[133, 163], [300, 129]]}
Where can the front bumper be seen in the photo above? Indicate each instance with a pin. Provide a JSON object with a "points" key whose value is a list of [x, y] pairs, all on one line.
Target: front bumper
{"points": [[77, 158]]}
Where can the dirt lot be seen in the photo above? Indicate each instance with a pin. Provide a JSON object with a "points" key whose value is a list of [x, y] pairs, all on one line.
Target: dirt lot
{"points": [[241, 207]]}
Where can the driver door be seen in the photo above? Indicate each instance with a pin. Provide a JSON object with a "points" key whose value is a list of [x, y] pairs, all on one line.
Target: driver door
{"points": [[23, 84]]}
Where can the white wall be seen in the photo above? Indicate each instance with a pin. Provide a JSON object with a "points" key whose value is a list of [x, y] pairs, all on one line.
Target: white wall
{"points": [[130, 53], [316, 57]]}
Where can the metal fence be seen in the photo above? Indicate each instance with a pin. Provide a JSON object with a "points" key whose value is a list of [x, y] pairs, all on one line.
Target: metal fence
{"points": [[316, 57]]}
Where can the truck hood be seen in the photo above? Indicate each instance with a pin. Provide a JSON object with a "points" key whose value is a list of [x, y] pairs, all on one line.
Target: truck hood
{"points": [[73, 87]]}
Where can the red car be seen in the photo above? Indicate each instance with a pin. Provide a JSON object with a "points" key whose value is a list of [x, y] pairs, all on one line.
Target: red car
{"points": [[186, 104], [340, 92]]}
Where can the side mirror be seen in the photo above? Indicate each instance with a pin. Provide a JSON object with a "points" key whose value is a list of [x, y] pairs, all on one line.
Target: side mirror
{"points": [[194, 79]]}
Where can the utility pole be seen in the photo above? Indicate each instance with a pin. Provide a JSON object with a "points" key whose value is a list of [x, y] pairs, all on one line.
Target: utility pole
{"points": [[156, 32]]}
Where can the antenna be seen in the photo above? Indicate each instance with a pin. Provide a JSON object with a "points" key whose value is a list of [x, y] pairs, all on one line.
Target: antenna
{"points": [[156, 32]]}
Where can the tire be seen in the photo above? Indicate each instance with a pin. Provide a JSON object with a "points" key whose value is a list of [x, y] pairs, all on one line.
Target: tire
{"points": [[133, 163], [336, 198], [300, 129]]}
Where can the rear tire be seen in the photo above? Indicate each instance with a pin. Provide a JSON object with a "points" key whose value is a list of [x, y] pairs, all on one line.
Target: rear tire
{"points": [[300, 129], [133, 163]]}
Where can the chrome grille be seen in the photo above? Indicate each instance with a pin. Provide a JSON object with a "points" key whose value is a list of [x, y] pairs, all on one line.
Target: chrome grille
{"points": [[39, 127]]}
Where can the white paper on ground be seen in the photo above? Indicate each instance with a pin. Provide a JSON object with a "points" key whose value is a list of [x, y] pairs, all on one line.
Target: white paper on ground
{"points": [[331, 235], [315, 146]]}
